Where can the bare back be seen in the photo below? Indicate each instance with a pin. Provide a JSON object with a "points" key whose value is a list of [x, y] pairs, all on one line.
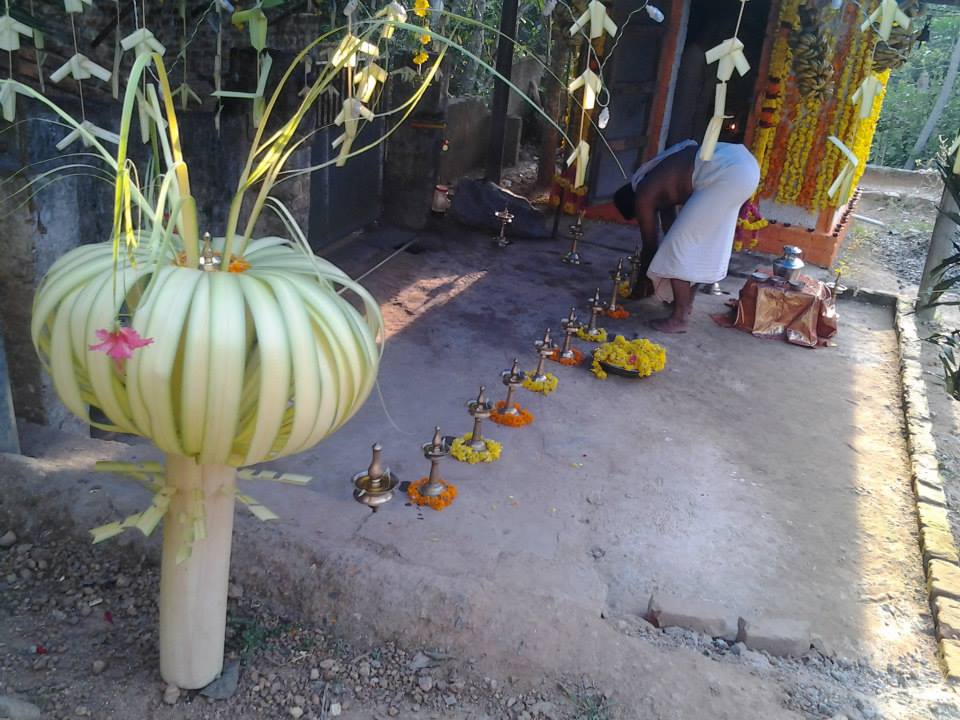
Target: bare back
{"points": [[669, 184]]}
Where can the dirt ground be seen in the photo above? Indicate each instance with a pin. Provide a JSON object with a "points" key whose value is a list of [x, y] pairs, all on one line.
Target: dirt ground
{"points": [[887, 247], [767, 479]]}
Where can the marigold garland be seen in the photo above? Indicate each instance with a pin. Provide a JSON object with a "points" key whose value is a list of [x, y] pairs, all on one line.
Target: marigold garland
{"points": [[640, 356], [569, 362], [780, 62], [544, 387], [435, 502], [460, 450], [618, 314], [790, 141], [521, 418], [420, 8], [749, 223], [599, 336]]}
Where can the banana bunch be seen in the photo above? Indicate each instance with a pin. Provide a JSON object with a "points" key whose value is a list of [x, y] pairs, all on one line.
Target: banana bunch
{"points": [[811, 67], [891, 55]]}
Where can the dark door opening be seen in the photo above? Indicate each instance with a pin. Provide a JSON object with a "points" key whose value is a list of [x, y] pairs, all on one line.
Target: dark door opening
{"points": [[711, 23]]}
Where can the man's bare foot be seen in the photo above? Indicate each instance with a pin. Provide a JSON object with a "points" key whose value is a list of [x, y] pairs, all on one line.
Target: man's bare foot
{"points": [[670, 325]]}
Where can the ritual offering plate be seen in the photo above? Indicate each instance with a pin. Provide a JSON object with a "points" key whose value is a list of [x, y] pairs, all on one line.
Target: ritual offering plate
{"points": [[760, 276], [628, 358]]}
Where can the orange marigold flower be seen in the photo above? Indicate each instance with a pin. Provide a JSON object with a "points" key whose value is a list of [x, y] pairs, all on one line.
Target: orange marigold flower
{"points": [[238, 265], [437, 502], [519, 419], [618, 314], [569, 362]]}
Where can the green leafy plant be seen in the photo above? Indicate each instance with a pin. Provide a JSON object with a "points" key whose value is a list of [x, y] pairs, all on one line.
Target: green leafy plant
{"points": [[946, 278], [949, 345]]}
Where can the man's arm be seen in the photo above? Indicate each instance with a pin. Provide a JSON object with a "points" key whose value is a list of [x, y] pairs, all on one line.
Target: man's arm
{"points": [[668, 215], [646, 210]]}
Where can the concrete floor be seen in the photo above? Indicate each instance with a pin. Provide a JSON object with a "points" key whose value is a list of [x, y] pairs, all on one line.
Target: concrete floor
{"points": [[767, 478], [763, 477]]}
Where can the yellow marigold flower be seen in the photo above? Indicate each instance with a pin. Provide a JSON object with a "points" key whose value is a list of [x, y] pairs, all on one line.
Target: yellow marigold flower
{"points": [[599, 337], [544, 387], [420, 58], [640, 356], [420, 7], [425, 39], [461, 451]]}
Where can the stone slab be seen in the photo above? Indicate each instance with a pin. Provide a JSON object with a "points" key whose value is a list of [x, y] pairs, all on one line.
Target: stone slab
{"points": [[947, 615], [938, 544], [950, 659], [933, 516], [476, 203], [783, 637], [930, 495], [699, 615], [943, 579]]}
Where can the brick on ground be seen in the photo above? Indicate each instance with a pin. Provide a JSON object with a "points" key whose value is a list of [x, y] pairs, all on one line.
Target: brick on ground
{"points": [[933, 516], [931, 495], [943, 579], [778, 636], [950, 659], [923, 475], [948, 618], [938, 544], [698, 615]]}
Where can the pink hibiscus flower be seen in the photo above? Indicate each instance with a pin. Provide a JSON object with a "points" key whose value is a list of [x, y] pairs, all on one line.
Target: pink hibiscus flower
{"points": [[120, 344]]}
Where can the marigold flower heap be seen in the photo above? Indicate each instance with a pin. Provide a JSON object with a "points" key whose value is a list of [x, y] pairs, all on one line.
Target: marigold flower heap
{"points": [[638, 356], [600, 336], [461, 450], [521, 417], [544, 387], [434, 502]]}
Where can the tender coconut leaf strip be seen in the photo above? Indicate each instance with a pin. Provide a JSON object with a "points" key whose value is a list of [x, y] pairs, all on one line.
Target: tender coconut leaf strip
{"points": [[152, 476], [196, 362], [308, 373], [225, 376], [274, 370], [173, 299]]}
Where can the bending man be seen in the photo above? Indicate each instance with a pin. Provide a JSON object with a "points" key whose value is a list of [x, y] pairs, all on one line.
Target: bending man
{"points": [[698, 240]]}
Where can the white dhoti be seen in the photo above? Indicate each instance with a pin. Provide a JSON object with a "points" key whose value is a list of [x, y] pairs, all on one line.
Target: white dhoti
{"points": [[697, 248]]}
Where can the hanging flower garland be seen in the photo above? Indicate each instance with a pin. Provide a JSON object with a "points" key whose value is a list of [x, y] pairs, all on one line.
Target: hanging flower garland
{"points": [[569, 362], [640, 356], [520, 418], [420, 9], [749, 224], [544, 387], [866, 130], [435, 502], [599, 336], [460, 450]]}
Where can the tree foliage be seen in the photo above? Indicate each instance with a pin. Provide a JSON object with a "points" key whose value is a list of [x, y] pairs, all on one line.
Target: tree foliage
{"points": [[911, 95]]}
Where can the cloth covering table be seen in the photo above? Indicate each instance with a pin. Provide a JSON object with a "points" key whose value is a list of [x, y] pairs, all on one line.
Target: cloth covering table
{"points": [[805, 316]]}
